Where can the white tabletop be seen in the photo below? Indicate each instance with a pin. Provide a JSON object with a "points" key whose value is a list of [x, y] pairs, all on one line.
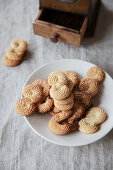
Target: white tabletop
{"points": [[20, 147]]}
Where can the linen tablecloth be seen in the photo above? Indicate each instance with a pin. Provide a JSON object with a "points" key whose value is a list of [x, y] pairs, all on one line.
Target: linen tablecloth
{"points": [[20, 147]]}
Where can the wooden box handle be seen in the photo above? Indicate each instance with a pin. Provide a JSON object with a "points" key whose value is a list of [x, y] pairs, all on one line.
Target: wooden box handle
{"points": [[54, 37]]}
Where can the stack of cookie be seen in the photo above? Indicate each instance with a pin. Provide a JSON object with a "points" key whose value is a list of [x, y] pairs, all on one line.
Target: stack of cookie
{"points": [[62, 84], [14, 55]]}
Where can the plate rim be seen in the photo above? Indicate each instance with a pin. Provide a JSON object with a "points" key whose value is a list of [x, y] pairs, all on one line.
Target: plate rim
{"points": [[49, 140]]}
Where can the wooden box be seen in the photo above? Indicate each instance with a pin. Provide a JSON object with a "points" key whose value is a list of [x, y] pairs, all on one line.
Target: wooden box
{"points": [[65, 20]]}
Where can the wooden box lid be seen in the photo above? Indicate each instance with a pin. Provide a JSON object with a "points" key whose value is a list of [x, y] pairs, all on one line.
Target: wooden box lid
{"points": [[72, 6]]}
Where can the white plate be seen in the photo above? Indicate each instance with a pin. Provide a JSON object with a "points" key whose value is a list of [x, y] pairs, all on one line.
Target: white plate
{"points": [[104, 99]]}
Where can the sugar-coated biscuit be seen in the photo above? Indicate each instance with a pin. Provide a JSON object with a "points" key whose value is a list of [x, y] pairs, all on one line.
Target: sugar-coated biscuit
{"points": [[72, 76], [33, 92], [64, 107], [55, 125], [45, 106], [25, 107], [89, 85], [86, 127], [45, 86], [96, 115], [57, 77], [65, 101], [12, 54], [83, 98], [96, 73], [19, 45], [58, 92], [11, 63]]}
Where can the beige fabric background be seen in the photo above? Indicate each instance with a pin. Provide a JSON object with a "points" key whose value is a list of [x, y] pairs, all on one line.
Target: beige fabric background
{"points": [[20, 147]]}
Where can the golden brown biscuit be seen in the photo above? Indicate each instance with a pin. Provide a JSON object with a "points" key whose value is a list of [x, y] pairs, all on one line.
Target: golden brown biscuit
{"points": [[86, 127], [10, 63], [72, 76], [73, 126], [89, 85], [51, 113], [58, 92], [25, 107], [12, 54], [78, 111], [64, 107], [70, 84], [96, 115], [55, 125], [45, 86], [54, 111], [83, 98], [65, 101], [19, 45], [45, 106], [96, 73], [57, 77], [33, 92]]}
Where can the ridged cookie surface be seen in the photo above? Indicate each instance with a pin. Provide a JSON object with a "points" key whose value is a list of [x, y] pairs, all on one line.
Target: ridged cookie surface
{"points": [[89, 85], [56, 127], [57, 77], [59, 93], [96, 73], [86, 127], [33, 92], [96, 115], [25, 107]]}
